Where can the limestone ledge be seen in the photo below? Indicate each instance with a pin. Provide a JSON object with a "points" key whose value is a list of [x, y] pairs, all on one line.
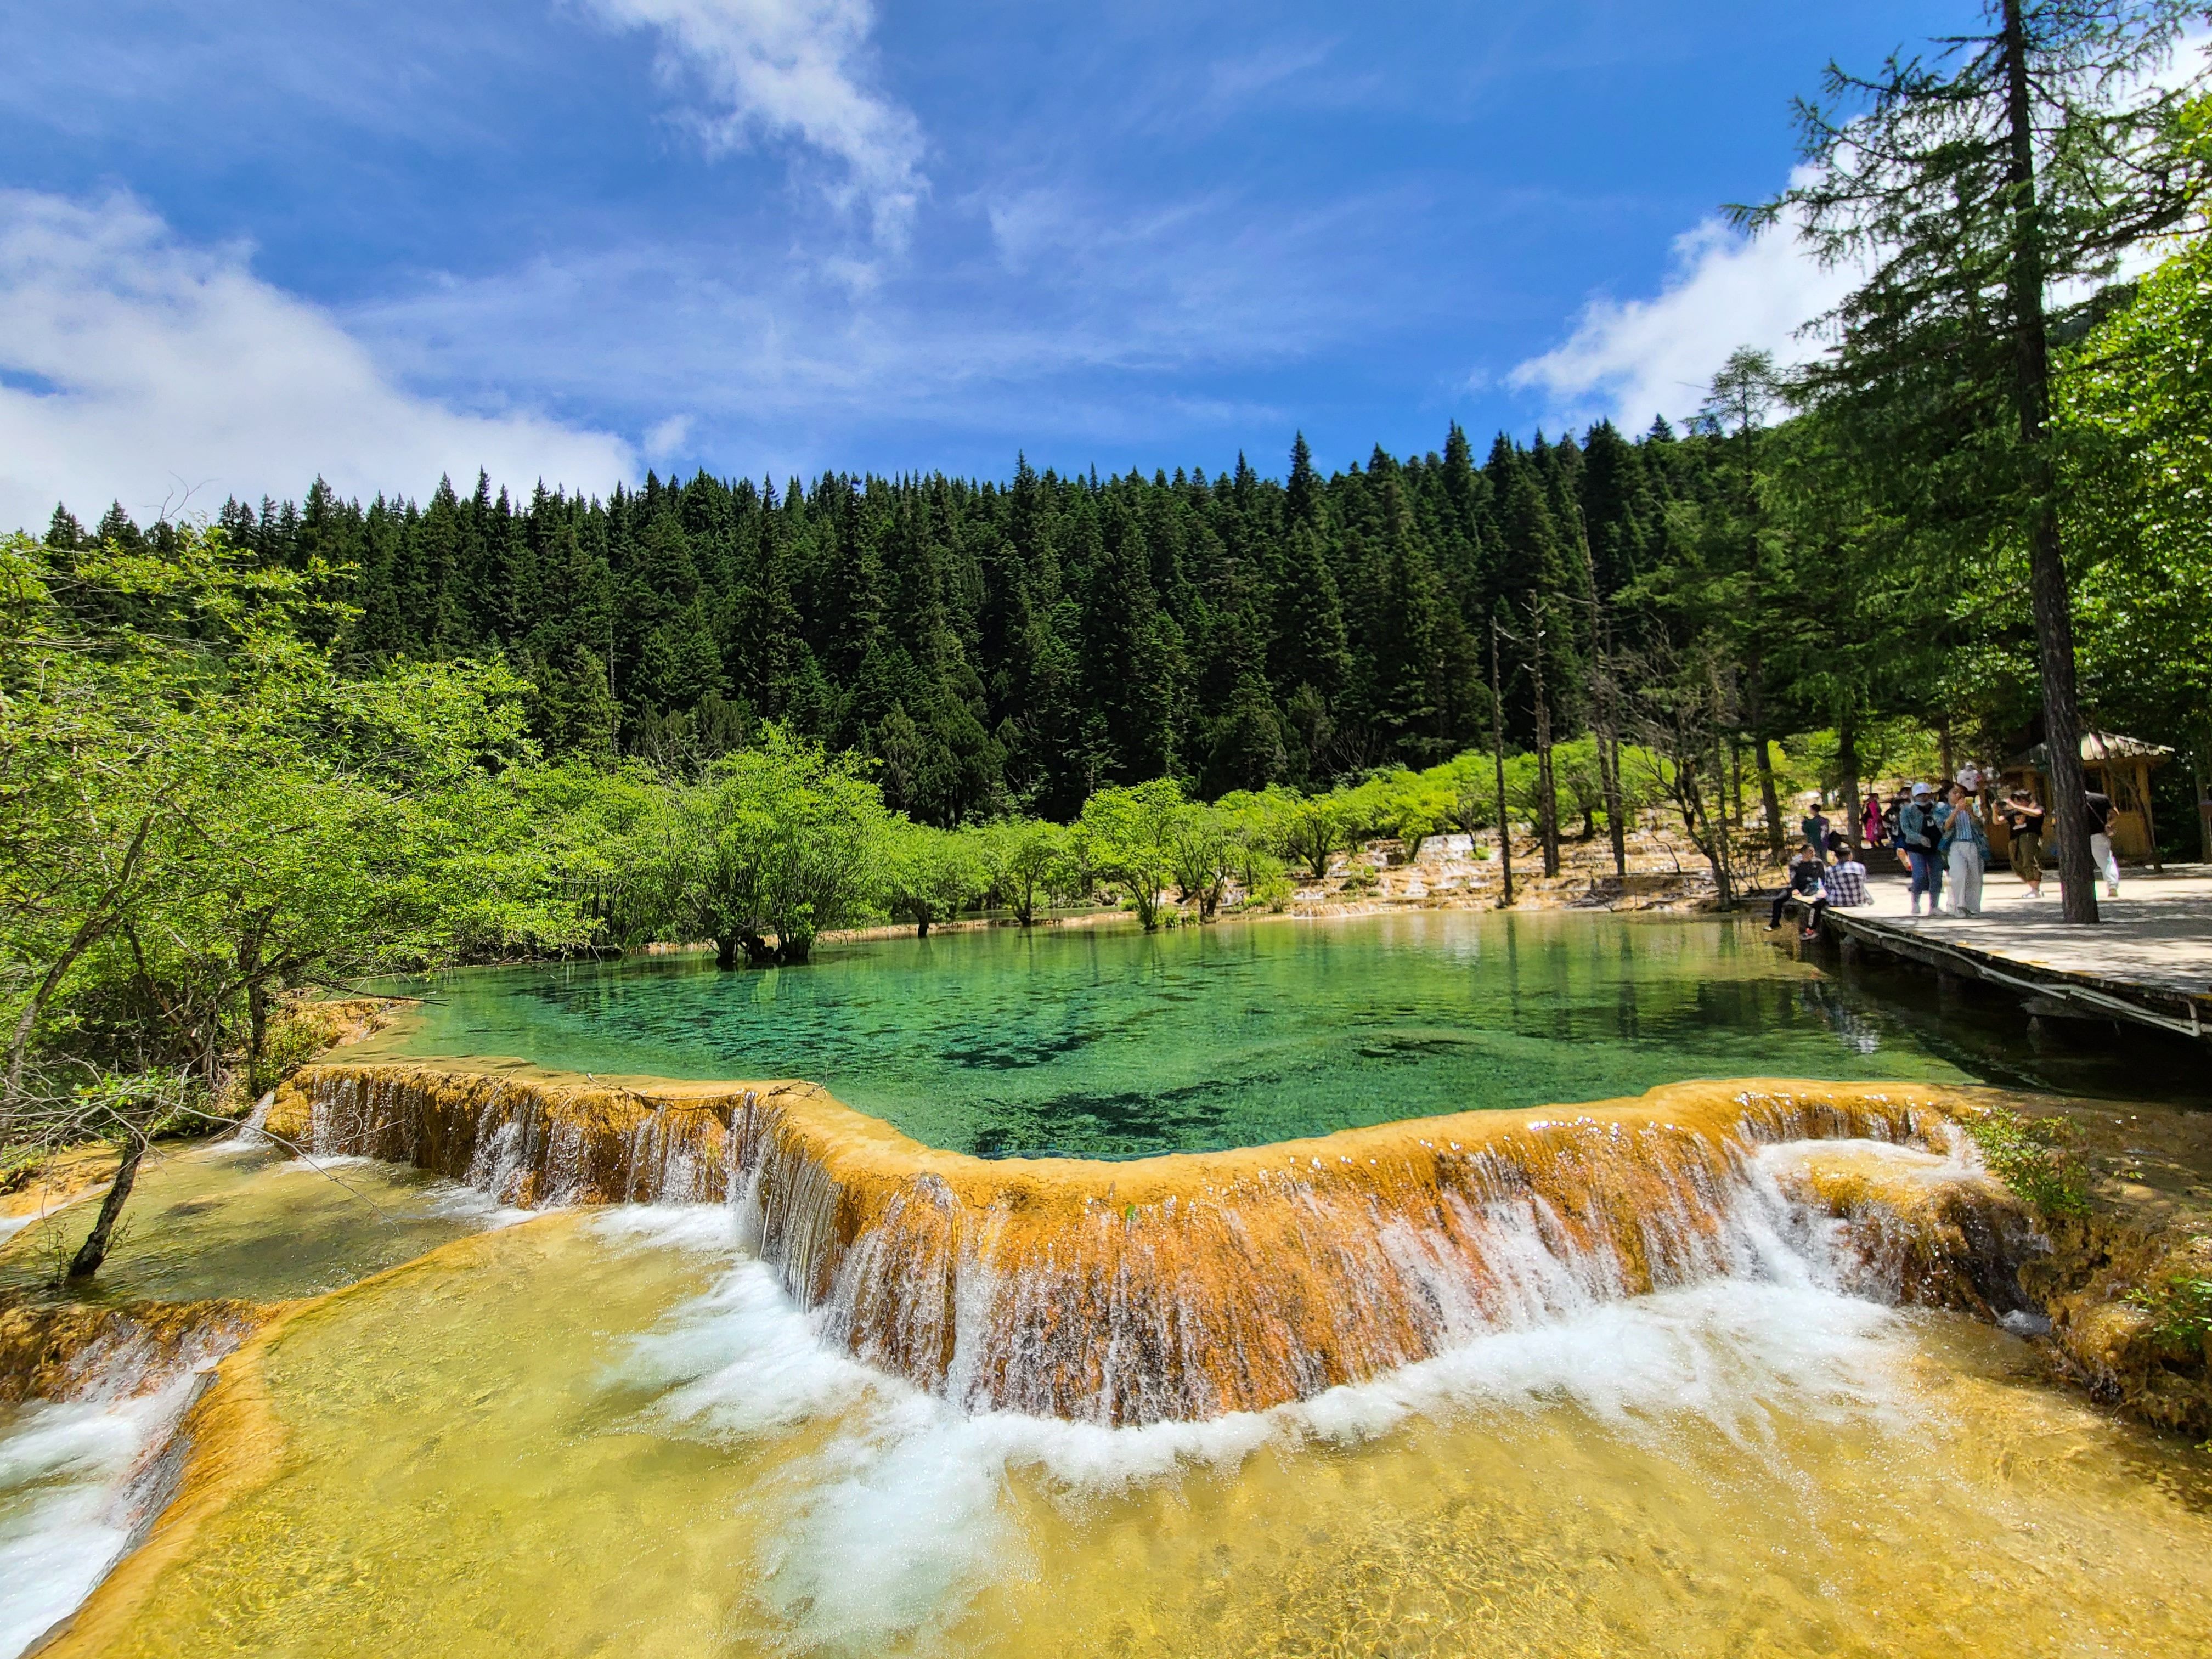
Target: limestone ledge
{"points": [[78, 1350], [1186, 1285]]}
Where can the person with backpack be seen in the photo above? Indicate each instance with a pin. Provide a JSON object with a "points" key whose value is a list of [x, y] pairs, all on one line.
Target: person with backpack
{"points": [[1919, 834], [1965, 847]]}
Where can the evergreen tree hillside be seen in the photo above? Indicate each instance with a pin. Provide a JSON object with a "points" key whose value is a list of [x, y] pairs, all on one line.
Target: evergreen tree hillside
{"points": [[1002, 646]]}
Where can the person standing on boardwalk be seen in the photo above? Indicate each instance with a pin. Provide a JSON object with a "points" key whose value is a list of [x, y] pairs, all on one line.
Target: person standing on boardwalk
{"points": [[2097, 813], [1965, 847], [1919, 831], [1870, 827], [2023, 818], [1815, 829]]}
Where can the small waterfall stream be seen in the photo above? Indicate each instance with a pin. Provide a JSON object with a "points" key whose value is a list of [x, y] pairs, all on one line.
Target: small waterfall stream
{"points": [[1182, 1288]]}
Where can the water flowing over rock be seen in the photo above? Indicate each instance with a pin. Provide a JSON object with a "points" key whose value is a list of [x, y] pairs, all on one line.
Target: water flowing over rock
{"points": [[1184, 1287]]}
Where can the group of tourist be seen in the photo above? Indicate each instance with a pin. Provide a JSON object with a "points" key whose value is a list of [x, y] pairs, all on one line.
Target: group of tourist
{"points": [[1937, 832]]}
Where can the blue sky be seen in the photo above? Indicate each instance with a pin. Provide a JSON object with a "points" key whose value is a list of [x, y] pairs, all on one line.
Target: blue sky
{"points": [[242, 243]]}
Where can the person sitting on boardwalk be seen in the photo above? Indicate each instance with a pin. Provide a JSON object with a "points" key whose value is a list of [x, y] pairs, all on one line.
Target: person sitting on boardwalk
{"points": [[1919, 831], [2023, 819], [1843, 884], [1846, 884], [1804, 883], [1967, 847]]}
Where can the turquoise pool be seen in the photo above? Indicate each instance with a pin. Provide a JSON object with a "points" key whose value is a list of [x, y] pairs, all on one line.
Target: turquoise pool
{"points": [[1103, 1042]]}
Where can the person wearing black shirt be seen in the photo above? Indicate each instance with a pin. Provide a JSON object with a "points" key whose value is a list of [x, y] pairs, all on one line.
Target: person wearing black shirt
{"points": [[1804, 882], [2023, 819], [2097, 816]]}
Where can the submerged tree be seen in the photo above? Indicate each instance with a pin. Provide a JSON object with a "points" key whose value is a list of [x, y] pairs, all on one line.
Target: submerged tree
{"points": [[1974, 185]]}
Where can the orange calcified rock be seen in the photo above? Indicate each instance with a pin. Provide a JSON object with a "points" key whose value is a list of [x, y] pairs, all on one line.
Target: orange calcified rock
{"points": [[1172, 1287]]}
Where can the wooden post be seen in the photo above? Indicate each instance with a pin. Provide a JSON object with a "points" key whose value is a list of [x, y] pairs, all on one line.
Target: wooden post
{"points": [[2150, 823]]}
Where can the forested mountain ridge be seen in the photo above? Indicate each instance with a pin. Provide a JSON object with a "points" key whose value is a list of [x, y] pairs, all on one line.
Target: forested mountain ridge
{"points": [[1022, 643]]}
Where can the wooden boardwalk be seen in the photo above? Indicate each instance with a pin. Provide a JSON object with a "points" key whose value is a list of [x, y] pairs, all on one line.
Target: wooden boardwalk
{"points": [[2149, 961]]}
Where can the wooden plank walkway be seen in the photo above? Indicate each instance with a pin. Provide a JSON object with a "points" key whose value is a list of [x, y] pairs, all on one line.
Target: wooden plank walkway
{"points": [[2149, 961]]}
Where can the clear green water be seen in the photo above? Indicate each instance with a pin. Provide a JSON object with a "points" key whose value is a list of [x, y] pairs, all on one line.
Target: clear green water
{"points": [[227, 1221], [1099, 1042]]}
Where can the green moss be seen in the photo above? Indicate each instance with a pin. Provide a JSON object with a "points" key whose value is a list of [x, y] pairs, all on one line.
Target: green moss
{"points": [[2034, 1158]]}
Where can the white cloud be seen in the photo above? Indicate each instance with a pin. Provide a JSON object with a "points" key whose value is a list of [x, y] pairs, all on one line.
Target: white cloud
{"points": [[135, 368], [666, 438], [1632, 359], [793, 68]]}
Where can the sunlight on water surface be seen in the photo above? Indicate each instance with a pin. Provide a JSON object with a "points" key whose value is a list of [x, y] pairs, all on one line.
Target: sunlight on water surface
{"points": [[1101, 1041], [612, 1434]]}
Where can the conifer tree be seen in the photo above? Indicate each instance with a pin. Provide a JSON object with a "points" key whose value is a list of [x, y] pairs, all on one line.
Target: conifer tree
{"points": [[1974, 182]]}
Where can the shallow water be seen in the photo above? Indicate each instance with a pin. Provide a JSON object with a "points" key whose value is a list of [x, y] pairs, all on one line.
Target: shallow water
{"points": [[226, 1219], [72, 1495], [612, 1434], [1103, 1042], [248, 1219]]}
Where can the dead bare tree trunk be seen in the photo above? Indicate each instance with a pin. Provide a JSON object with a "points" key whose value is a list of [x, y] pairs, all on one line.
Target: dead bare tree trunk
{"points": [[1547, 802], [93, 1250], [1498, 753]]}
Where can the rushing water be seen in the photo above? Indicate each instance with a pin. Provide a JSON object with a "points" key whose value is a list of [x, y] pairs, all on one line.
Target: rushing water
{"points": [[1102, 1041], [80, 1477], [613, 1433], [616, 1432]]}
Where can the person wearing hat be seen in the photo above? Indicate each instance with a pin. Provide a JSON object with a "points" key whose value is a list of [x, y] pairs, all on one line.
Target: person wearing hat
{"points": [[1919, 835]]}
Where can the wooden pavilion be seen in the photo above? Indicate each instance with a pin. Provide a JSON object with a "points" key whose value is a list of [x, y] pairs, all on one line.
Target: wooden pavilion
{"points": [[2117, 766]]}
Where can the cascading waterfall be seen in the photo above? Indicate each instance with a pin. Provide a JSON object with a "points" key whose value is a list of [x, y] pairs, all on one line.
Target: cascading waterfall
{"points": [[1186, 1287]]}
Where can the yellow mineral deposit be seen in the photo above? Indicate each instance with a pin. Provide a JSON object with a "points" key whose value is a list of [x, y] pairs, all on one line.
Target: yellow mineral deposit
{"points": [[1178, 1287], [1588, 1379]]}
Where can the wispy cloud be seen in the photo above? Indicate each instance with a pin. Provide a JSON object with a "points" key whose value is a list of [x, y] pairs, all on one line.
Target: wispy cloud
{"points": [[797, 70], [1632, 359], [137, 368]]}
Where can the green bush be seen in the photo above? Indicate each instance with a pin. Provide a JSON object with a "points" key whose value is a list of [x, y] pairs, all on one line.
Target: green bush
{"points": [[2033, 1156], [2180, 1311]]}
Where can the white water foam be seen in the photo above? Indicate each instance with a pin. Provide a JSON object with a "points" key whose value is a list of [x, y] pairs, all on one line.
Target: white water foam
{"points": [[73, 1494], [896, 1519]]}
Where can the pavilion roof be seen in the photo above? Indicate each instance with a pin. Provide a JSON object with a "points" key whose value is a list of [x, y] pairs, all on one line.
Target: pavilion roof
{"points": [[2099, 747]]}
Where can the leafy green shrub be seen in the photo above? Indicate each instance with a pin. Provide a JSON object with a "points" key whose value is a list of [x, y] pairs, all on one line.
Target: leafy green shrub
{"points": [[2033, 1156], [2180, 1311]]}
